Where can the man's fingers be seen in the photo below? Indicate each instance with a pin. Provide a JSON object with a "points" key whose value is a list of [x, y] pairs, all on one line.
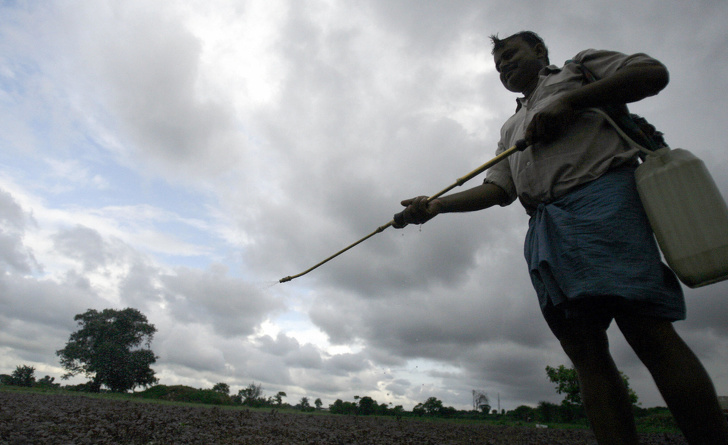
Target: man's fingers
{"points": [[416, 211], [417, 202]]}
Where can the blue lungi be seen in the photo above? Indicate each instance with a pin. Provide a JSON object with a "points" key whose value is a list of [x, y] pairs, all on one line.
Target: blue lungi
{"points": [[596, 244]]}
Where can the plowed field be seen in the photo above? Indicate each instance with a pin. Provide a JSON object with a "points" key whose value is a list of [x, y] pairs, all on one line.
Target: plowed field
{"points": [[31, 418]]}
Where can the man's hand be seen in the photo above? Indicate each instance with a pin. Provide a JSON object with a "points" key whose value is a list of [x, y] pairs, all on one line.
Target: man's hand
{"points": [[629, 84], [551, 122], [419, 210]]}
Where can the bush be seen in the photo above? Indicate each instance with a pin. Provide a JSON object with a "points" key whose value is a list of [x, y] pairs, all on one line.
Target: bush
{"points": [[83, 387], [47, 383], [658, 421], [180, 393]]}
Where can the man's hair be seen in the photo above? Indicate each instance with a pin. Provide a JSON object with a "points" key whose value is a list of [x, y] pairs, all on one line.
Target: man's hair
{"points": [[529, 37]]}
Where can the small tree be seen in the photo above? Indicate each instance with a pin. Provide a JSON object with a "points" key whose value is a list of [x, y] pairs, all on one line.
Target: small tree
{"points": [[279, 397], [480, 401], [47, 382], [252, 395], [318, 403], [398, 411], [418, 410], [522, 412], [548, 412], [447, 411], [341, 407], [367, 406], [112, 347], [305, 405], [432, 406], [23, 376], [383, 409], [222, 388], [567, 382]]}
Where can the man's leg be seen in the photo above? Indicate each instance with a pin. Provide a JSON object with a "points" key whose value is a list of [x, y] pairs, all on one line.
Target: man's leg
{"points": [[680, 377], [603, 392]]}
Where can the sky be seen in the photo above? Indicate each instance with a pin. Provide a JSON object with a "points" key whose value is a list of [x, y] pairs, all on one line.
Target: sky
{"points": [[181, 157]]}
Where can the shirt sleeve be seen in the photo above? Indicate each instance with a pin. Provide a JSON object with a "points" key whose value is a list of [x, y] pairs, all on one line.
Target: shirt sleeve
{"points": [[500, 175], [605, 63]]}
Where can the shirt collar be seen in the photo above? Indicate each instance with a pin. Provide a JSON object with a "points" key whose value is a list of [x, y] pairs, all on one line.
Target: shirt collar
{"points": [[545, 71]]}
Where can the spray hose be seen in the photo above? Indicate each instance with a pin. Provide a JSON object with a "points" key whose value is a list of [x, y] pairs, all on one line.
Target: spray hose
{"points": [[399, 220]]}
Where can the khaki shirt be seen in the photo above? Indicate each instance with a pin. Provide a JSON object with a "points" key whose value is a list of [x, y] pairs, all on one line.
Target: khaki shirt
{"points": [[591, 147]]}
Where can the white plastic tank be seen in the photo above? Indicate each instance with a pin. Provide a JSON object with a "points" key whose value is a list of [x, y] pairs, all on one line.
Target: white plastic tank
{"points": [[687, 213]]}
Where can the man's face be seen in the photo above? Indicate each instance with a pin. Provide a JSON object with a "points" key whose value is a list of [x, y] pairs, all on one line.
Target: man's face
{"points": [[518, 64]]}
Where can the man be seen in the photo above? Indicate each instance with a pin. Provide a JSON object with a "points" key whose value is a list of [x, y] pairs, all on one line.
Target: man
{"points": [[590, 251]]}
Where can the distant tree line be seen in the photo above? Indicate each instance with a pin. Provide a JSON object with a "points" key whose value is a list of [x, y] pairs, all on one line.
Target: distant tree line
{"points": [[364, 406], [25, 376], [569, 411], [251, 396]]}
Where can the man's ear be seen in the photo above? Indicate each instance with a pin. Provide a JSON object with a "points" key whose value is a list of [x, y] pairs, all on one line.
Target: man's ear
{"points": [[540, 50]]}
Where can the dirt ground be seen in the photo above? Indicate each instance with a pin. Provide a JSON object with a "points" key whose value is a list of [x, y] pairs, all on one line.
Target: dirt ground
{"points": [[31, 418]]}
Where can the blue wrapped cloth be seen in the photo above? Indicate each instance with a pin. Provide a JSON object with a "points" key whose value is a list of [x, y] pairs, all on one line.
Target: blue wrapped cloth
{"points": [[596, 243]]}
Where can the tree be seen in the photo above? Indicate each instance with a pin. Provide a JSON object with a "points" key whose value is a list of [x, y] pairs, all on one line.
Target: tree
{"points": [[222, 388], [432, 406], [112, 348], [318, 404], [383, 409], [398, 411], [367, 406], [252, 395], [279, 397], [47, 382], [522, 412], [447, 412], [304, 403], [341, 407], [481, 402], [548, 412], [418, 410], [567, 382], [23, 376]]}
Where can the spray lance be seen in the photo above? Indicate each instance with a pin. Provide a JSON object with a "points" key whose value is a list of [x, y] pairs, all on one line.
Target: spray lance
{"points": [[398, 220]]}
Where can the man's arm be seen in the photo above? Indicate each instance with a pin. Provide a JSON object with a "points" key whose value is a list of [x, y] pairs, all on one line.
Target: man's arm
{"points": [[420, 210], [629, 84]]}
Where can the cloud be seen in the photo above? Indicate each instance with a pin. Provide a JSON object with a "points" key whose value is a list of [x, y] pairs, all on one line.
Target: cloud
{"points": [[13, 221], [229, 305]]}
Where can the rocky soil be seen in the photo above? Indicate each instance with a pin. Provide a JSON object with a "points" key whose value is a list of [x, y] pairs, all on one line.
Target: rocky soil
{"points": [[31, 418]]}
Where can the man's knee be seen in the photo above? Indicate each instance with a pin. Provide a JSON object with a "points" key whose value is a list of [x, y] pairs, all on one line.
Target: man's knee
{"points": [[585, 345], [650, 338]]}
